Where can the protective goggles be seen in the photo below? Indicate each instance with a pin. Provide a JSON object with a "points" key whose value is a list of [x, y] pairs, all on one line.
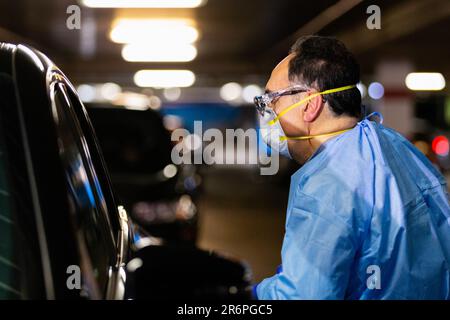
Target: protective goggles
{"points": [[264, 101]]}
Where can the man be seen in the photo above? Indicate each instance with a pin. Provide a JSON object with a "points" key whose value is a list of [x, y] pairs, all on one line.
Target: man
{"points": [[368, 215]]}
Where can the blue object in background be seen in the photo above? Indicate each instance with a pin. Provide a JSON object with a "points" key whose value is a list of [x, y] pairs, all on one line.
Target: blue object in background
{"points": [[212, 115]]}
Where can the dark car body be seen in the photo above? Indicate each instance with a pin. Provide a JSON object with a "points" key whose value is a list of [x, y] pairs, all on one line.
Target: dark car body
{"points": [[58, 211]]}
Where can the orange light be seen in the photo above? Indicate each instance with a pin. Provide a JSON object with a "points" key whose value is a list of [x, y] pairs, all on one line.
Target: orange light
{"points": [[440, 146], [422, 146]]}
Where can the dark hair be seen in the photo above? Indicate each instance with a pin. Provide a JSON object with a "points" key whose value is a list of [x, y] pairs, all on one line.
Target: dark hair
{"points": [[325, 63]]}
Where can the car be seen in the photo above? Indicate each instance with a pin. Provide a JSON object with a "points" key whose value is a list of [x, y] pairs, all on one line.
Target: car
{"points": [[62, 234], [137, 148]]}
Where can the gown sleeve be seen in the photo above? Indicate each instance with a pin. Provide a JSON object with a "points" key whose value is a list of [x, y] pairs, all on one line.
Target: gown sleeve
{"points": [[317, 255]]}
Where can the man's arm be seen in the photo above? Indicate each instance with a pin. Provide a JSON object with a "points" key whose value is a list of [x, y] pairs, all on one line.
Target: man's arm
{"points": [[317, 255]]}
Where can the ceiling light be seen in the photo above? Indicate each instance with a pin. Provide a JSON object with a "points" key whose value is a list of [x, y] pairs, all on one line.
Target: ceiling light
{"points": [[153, 30], [110, 91], [376, 90], [133, 101], [250, 91], [158, 53], [170, 171], [86, 92], [143, 3], [230, 91], [172, 94], [164, 78], [425, 81], [155, 103]]}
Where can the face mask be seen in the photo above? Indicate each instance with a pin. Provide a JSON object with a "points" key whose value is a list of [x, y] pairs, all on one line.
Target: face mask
{"points": [[273, 134]]}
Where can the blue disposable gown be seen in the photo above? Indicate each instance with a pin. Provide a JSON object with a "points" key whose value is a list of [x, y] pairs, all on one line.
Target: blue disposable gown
{"points": [[368, 217]]}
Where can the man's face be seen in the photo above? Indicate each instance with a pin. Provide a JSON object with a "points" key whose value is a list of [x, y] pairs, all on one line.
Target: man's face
{"points": [[292, 122]]}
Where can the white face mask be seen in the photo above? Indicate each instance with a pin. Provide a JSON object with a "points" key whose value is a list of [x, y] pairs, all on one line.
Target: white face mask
{"points": [[271, 134]]}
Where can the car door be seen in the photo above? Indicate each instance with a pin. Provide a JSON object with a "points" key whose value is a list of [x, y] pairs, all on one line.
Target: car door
{"points": [[79, 224], [55, 192]]}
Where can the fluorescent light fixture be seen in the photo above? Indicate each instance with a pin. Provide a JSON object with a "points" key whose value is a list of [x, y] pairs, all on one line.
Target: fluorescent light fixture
{"points": [[164, 78], [153, 30], [158, 52], [425, 81], [143, 3]]}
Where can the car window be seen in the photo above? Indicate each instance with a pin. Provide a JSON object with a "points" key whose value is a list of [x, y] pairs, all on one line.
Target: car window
{"points": [[130, 139], [97, 158], [9, 266], [137, 147], [84, 192], [21, 274]]}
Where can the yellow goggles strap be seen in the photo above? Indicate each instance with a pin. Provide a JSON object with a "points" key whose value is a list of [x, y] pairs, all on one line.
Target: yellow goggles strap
{"points": [[315, 136], [272, 122]]}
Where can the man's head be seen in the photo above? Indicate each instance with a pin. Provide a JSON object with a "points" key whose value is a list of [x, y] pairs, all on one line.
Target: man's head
{"points": [[317, 64]]}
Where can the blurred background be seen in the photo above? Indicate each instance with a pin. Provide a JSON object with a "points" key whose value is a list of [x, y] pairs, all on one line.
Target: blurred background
{"points": [[147, 67]]}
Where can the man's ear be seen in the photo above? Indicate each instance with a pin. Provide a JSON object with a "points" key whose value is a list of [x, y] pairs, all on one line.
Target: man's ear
{"points": [[313, 109]]}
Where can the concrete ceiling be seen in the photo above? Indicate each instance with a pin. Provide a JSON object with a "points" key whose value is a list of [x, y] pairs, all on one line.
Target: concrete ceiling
{"points": [[240, 40]]}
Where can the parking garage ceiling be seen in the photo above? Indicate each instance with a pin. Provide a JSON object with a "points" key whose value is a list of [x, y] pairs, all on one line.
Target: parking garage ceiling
{"points": [[239, 40]]}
